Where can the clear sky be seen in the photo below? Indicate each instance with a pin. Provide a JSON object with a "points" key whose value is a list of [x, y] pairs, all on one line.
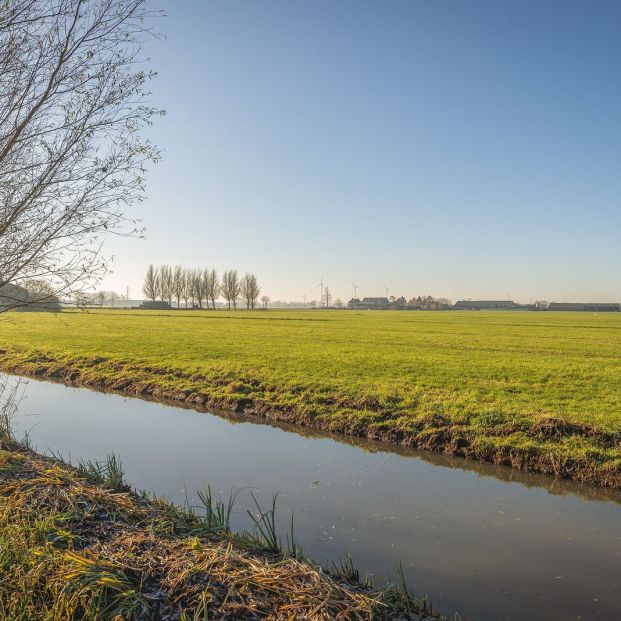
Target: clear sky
{"points": [[451, 148]]}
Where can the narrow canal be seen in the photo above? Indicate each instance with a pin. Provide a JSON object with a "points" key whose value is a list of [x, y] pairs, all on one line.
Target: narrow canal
{"points": [[488, 542]]}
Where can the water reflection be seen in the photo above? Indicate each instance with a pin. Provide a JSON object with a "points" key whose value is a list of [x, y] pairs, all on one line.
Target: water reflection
{"points": [[488, 541], [504, 473]]}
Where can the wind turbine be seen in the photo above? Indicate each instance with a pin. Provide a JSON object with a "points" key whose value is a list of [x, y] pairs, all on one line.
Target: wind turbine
{"points": [[386, 289], [320, 291], [355, 286]]}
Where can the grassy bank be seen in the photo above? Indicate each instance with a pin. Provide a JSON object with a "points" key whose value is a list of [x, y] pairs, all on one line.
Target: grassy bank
{"points": [[72, 549], [539, 391]]}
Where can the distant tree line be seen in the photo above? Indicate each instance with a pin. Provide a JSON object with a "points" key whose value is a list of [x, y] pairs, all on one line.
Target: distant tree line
{"points": [[424, 302], [200, 287]]}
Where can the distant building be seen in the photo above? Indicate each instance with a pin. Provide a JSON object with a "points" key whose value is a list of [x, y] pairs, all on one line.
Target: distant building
{"points": [[487, 305], [429, 303], [592, 307], [368, 304], [420, 303], [154, 305], [14, 297], [375, 303]]}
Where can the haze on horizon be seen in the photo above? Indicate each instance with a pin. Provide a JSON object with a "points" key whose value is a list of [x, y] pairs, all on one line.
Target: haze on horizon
{"points": [[443, 148]]}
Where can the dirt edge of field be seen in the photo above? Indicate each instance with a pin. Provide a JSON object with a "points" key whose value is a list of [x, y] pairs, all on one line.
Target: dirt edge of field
{"points": [[435, 436]]}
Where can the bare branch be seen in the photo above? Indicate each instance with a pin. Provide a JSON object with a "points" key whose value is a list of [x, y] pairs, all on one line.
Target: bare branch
{"points": [[73, 105]]}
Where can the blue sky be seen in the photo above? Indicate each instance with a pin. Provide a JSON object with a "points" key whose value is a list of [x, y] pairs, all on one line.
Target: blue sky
{"points": [[450, 148]]}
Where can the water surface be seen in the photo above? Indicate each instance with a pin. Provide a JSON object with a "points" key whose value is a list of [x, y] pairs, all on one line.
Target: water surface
{"points": [[489, 542]]}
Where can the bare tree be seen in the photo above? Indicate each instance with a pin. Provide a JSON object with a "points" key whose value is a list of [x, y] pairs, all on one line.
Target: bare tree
{"points": [[199, 289], [186, 286], [113, 297], [327, 296], [266, 300], [40, 289], [231, 287], [40, 295], [100, 296], [177, 284], [338, 303], [244, 285], [151, 286], [83, 298], [34, 294], [214, 287], [234, 287], [73, 101], [253, 290], [224, 288], [211, 286], [189, 286], [165, 283], [189, 283]]}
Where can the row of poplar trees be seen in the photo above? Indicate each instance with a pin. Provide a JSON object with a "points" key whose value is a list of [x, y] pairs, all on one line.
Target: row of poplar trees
{"points": [[200, 287]]}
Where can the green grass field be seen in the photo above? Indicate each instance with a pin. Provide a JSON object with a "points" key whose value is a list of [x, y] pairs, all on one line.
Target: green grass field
{"points": [[485, 385]]}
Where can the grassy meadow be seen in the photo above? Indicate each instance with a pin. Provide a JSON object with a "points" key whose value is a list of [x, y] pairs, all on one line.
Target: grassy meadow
{"points": [[539, 391]]}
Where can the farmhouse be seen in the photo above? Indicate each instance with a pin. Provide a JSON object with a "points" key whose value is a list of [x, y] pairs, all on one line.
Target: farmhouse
{"points": [[368, 304], [593, 307], [375, 302], [486, 305]]}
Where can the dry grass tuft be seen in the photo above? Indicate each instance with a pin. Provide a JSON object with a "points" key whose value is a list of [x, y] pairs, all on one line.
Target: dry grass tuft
{"points": [[70, 549]]}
